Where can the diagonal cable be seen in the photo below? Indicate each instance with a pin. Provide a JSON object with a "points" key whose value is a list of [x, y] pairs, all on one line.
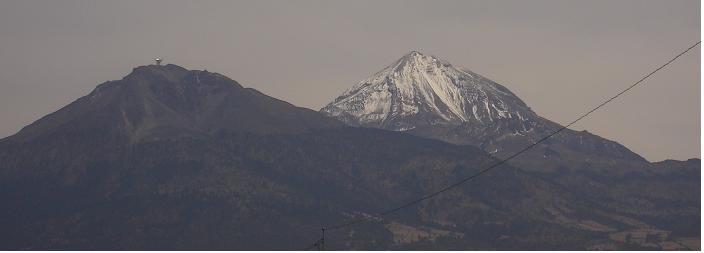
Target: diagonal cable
{"points": [[500, 162]]}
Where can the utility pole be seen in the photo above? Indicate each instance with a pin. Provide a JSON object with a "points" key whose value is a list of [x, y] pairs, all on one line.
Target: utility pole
{"points": [[322, 239]]}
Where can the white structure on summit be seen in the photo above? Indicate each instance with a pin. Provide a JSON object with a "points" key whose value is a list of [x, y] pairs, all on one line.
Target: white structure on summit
{"points": [[158, 61]]}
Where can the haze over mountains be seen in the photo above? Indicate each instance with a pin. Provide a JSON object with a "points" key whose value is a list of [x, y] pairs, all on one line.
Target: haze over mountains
{"points": [[169, 158]]}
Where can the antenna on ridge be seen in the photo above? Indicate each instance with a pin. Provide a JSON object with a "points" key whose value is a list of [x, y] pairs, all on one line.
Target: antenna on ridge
{"points": [[158, 61]]}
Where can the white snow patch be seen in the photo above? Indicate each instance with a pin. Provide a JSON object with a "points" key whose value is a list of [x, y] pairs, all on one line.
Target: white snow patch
{"points": [[420, 84]]}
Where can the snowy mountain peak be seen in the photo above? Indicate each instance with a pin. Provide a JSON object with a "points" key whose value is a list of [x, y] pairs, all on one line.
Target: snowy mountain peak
{"points": [[420, 89], [415, 55], [427, 96], [420, 61], [412, 53]]}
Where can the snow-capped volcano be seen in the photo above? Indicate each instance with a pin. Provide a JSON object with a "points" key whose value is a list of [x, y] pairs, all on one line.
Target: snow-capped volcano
{"points": [[424, 89], [429, 97]]}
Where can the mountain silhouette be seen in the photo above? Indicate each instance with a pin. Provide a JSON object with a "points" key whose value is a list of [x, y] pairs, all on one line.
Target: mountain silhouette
{"points": [[174, 159]]}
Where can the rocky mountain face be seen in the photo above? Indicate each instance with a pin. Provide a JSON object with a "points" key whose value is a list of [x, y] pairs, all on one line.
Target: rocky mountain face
{"points": [[170, 100], [169, 158], [420, 91], [426, 96]]}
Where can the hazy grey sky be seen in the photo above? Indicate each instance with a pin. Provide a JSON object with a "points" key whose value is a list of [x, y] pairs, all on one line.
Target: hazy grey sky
{"points": [[561, 57]]}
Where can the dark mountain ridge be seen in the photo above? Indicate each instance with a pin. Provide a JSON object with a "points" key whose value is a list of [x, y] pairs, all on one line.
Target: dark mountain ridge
{"points": [[427, 96], [169, 158], [170, 100]]}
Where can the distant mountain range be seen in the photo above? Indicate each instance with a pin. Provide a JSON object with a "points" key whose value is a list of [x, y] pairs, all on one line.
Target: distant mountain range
{"points": [[170, 158]]}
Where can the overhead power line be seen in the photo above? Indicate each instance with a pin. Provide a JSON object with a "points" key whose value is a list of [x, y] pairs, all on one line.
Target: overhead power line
{"points": [[500, 162]]}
